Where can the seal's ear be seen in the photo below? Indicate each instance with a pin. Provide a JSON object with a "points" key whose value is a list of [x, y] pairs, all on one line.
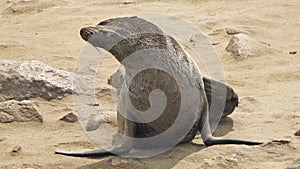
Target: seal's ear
{"points": [[105, 22]]}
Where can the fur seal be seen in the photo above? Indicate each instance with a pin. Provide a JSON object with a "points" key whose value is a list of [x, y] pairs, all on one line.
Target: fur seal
{"points": [[128, 35]]}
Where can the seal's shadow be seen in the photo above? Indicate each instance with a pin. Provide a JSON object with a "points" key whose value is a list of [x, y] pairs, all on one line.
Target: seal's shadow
{"points": [[224, 127], [165, 160]]}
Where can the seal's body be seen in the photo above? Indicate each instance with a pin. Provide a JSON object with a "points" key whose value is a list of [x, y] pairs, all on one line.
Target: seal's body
{"points": [[116, 80]]}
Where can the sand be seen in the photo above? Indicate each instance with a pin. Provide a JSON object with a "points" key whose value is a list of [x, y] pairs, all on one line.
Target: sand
{"points": [[268, 84]]}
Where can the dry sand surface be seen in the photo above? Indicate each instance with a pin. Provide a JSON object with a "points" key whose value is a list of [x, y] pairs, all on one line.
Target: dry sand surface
{"points": [[48, 31]]}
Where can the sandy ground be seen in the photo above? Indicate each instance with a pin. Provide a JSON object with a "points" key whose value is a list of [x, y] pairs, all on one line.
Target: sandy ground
{"points": [[48, 31]]}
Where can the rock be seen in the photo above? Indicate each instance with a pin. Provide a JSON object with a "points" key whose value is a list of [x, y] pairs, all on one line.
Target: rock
{"points": [[95, 122], [29, 79], [127, 2], [293, 52], [6, 118], [232, 31], [70, 118], [241, 45], [15, 150], [19, 111], [297, 133]]}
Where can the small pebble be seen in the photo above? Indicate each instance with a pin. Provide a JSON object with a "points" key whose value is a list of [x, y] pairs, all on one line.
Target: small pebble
{"points": [[59, 97], [232, 31], [127, 2], [216, 43], [15, 150], [95, 122], [93, 104], [297, 133], [293, 52], [70, 118]]}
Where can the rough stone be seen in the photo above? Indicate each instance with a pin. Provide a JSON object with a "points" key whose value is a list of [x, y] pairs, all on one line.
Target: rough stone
{"points": [[241, 45], [16, 149], [127, 2], [297, 133], [70, 118], [233, 31], [293, 52], [22, 80], [95, 122], [19, 111], [6, 118]]}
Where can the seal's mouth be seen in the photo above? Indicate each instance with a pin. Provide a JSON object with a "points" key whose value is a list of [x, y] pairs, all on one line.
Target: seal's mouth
{"points": [[87, 32], [236, 100]]}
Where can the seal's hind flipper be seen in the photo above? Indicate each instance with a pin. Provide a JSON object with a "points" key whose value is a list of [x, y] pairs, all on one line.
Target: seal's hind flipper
{"points": [[217, 140], [210, 140]]}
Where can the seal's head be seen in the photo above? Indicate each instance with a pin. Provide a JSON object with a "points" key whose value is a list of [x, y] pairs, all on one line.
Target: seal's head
{"points": [[108, 33], [101, 36]]}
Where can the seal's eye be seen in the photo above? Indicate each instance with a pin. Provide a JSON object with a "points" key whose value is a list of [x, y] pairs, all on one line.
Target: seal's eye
{"points": [[103, 32], [107, 34]]}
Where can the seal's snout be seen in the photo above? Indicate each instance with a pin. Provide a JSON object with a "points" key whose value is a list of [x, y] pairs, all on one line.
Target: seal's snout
{"points": [[87, 32], [236, 100]]}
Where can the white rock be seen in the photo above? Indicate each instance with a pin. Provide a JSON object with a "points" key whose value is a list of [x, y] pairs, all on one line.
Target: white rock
{"points": [[29, 79], [241, 45]]}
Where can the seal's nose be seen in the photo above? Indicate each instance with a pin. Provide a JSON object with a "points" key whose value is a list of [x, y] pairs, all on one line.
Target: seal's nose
{"points": [[87, 32], [236, 100]]}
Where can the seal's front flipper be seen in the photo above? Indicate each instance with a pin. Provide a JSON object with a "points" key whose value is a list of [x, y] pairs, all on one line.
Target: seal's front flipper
{"points": [[97, 153]]}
